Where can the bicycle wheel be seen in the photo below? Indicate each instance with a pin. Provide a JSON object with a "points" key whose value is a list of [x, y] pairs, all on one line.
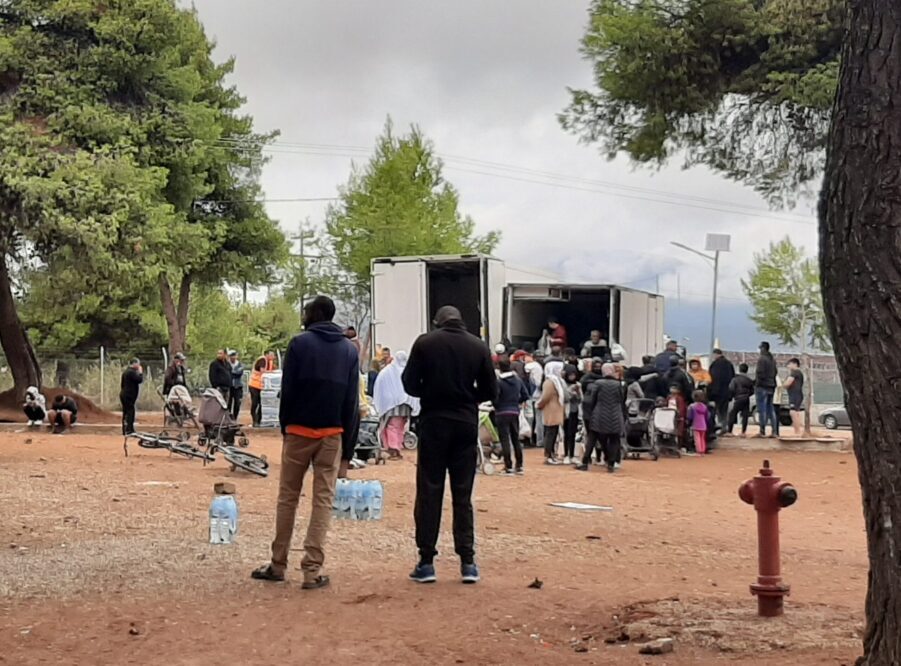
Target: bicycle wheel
{"points": [[248, 462], [147, 440], [189, 451]]}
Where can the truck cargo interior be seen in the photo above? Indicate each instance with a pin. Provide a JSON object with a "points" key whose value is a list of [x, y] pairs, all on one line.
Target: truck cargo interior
{"points": [[457, 284], [580, 311]]}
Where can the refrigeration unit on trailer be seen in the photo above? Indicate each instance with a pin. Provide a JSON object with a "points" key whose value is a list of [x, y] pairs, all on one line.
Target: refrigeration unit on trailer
{"points": [[632, 318], [408, 291]]}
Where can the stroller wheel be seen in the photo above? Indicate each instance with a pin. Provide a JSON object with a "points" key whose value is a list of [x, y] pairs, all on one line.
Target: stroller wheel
{"points": [[243, 442], [487, 468], [411, 441]]}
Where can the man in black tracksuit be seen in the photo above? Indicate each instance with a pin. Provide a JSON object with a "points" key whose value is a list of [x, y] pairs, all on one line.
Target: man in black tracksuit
{"points": [[128, 394], [451, 371]]}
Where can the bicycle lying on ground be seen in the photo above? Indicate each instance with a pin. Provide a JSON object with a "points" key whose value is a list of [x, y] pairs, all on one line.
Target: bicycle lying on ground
{"points": [[230, 447], [179, 444]]}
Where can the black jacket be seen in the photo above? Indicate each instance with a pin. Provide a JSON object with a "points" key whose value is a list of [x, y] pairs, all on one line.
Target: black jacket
{"points": [[175, 376], [741, 387], [587, 380], [131, 385], [722, 371], [321, 383], [679, 378], [68, 404], [653, 385], [220, 374], [511, 393], [765, 377], [451, 371], [604, 407]]}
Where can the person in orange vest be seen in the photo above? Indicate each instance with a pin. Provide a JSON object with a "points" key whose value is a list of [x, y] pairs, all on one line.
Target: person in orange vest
{"points": [[255, 384]]}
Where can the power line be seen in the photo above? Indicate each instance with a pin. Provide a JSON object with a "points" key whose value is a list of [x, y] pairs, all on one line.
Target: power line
{"points": [[537, 177]]}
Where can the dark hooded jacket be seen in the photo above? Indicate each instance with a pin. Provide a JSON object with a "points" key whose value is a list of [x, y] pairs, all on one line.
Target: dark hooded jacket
{"points": [[321, 383], [722, 372]]}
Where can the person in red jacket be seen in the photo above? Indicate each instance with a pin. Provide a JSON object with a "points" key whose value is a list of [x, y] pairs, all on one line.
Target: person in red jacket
{"points": [[558, 333]]}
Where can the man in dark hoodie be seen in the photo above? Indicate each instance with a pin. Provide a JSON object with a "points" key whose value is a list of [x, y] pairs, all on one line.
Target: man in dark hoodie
{"points": [[722, 373], [450, 370], [221, 374], [511, 394], [130, 387], [318, 415], [765, 389], [741, 388]]}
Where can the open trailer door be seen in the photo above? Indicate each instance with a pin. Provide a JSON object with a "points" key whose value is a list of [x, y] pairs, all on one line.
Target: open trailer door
{"points": [[399, 301]]}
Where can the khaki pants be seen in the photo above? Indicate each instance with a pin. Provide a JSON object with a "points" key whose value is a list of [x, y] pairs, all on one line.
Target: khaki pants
{"points": [[298, 453]]}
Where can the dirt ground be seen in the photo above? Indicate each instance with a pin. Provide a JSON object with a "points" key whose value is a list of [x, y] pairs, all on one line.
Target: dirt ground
{"points": [[104, 560]]}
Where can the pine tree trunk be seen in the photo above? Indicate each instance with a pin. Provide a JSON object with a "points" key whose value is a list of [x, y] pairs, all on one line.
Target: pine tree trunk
{"points": [[860, 218], [176, 314], [20, 356]]}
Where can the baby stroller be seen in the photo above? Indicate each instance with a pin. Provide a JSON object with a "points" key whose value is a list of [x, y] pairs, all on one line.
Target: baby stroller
{"points": [[368, 440], [219, 428], [178, 408], [665, 431], [638, 430], [490, 451], [222, 434]]}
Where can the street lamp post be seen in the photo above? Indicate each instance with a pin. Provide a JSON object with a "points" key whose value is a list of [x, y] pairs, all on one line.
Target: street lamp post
{"points": [[716, 243]]}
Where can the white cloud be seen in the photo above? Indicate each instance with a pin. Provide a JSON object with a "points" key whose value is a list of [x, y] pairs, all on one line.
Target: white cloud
{"points": [[485, 80]]}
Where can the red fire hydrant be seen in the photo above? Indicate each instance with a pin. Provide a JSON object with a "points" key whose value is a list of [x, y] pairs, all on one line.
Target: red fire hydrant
{"points": [[768, 495]]}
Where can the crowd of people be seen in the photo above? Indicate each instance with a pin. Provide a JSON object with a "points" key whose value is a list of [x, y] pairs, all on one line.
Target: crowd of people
{"points": [[541, 397]]}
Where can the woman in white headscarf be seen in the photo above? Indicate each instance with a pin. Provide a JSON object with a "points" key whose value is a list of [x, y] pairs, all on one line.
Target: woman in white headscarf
{"points": [[393, 405], [553, 397]]}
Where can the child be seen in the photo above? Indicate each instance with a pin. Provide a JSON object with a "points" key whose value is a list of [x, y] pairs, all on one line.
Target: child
{"points": [[571, 422], [698, 415]]}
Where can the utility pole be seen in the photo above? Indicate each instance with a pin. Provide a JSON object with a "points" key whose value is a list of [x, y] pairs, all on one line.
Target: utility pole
{"points": [[301, 237]]}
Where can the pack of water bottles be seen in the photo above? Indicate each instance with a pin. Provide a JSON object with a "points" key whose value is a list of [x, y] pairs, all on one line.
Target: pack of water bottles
{"points": [[223, 519], [358, 500]]}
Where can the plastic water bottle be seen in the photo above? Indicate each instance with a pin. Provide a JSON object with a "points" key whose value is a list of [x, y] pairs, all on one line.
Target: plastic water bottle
{"points": [[356, 501], [339, 502], [347, 501], [378, 493], [368, 493], [223, 519]]}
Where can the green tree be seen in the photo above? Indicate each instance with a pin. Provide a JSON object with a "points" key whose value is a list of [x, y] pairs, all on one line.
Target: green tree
{"points": [[784, 290], [741, 86], [124, 168], [217, 321], [399, 204]]}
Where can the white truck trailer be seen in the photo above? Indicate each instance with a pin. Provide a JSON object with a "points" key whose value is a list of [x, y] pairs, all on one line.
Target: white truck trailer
{"points": [[505, 303]]}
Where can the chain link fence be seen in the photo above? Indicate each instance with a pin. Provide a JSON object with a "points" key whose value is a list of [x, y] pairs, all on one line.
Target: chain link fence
{"points": [[827, 382], [96, 375]]}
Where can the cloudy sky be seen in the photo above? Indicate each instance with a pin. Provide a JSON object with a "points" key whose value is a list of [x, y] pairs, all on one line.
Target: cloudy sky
{"points": [[485, 79]]}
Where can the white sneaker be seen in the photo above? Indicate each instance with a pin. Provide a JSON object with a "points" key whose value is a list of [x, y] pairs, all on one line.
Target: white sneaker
{"points": [[30, 423], [567, 461], [551, 461]]}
